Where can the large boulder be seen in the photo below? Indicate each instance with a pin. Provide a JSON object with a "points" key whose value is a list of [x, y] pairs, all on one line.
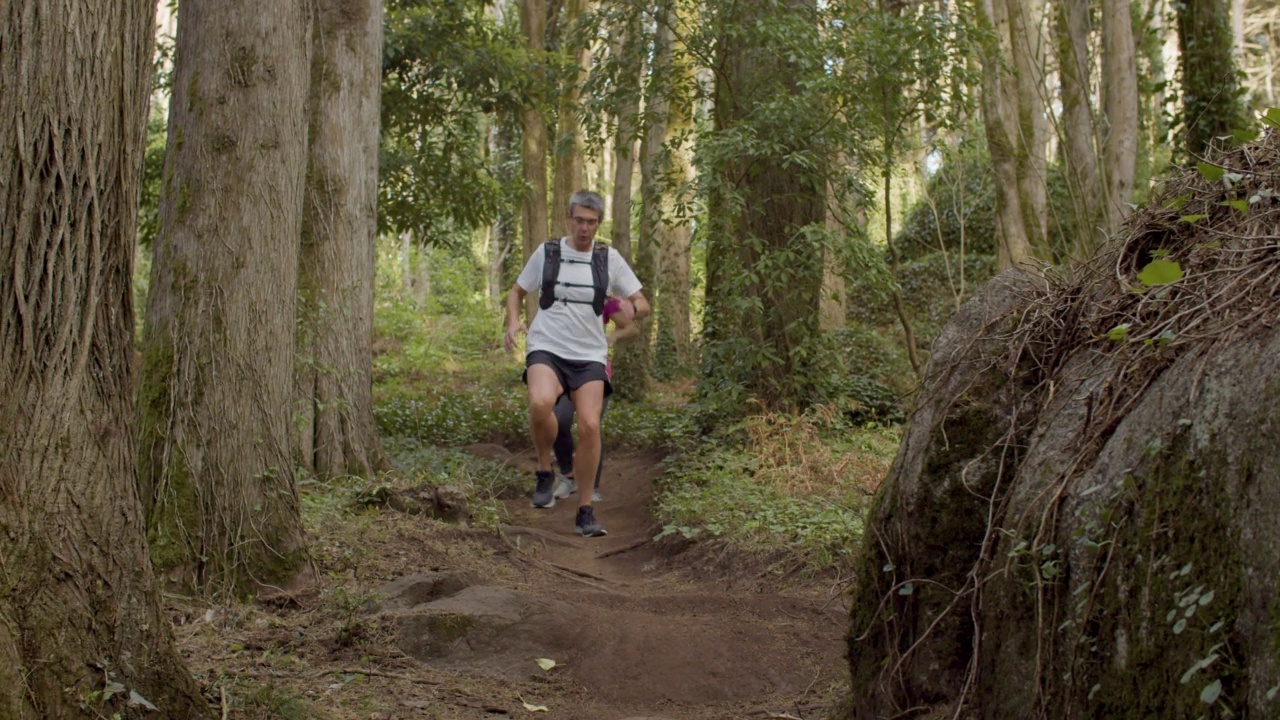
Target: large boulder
{"points": [[1083, 519]]}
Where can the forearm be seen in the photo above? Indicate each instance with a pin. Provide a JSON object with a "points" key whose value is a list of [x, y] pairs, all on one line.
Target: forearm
{"points": [[514, 300]]}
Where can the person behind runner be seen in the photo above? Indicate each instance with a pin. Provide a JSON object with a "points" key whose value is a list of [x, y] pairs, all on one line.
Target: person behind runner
{"points": [[621, 312], [566, 348]]}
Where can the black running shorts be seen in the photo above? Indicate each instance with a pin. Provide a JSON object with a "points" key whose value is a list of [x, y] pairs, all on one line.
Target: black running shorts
{"points": [[573, 374]]}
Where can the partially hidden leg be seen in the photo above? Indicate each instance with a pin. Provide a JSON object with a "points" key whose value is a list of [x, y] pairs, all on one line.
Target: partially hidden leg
{"points": [[544, 389]]}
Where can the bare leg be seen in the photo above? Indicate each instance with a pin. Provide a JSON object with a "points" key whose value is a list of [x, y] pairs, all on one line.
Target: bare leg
{"points": [[588, 400], [544, 389]]}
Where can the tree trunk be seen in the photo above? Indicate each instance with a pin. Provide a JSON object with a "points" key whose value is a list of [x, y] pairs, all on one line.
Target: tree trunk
{"points": [[337, 435], [218, 350], [1026, 19], [634, 360], [569, 174], [999, 119], [533, 143], [673, 354], [1120, 101], [1211, 94], [628, 53], [1079, 151], [79, 607]]}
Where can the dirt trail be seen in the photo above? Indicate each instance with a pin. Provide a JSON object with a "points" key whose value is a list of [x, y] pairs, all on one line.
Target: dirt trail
{"points": [[645, 636]]}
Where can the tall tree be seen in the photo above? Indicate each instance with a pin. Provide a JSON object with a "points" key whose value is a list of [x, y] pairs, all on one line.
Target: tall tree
{"points": [[336, 431], [1120, 103], [1212, 97], [80, 607], [1079, 153], [533, 143], [627, 53], [218, 346], [1005, 141], [673, 352], [569, 173]]}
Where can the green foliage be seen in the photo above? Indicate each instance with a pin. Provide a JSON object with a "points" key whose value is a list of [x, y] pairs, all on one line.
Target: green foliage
{"points": [[956, 213], [739, 495], [437, 179], [454, 418], [855, 369], [152, 179]]}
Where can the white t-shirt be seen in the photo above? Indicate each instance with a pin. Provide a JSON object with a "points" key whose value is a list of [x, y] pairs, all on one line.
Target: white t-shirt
{"points": [[572, 330]]}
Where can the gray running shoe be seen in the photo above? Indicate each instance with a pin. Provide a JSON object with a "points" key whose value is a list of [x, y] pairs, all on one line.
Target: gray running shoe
{"points": [[542, 495], [565, 486], [587, 525], [596, 496]]}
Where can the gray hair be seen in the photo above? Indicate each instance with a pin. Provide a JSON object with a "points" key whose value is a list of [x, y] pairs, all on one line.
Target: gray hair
{"points": [[587, 199]]}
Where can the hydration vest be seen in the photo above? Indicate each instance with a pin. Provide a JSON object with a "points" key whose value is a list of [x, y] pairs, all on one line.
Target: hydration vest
{"points": [[551, 273]]}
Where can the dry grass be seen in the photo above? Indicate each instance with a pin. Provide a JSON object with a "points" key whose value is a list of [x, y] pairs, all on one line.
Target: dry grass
{"points": [[796, 457]]}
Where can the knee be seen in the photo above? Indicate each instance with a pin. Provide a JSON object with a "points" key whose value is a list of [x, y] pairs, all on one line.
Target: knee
{"points": [[588, 427], [541, 406]]}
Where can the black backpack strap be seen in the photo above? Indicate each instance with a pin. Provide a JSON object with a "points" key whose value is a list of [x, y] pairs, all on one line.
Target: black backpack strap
{"points": [[550, 273], [600, 276]]}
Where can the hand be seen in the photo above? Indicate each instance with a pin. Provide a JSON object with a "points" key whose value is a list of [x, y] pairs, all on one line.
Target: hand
{"points": [[628, 309], [512, 332]]}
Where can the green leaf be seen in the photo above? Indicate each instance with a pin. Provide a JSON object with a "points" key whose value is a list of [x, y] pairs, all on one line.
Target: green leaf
{"points": [[1246, 135], [1212, 173], [1211, 692], [1179, 626], [1206, 598], [906, 589], [1160, 272], [1119, 332], [1271, 118], [1241, 205], [1177, 202], [1192, 218]]}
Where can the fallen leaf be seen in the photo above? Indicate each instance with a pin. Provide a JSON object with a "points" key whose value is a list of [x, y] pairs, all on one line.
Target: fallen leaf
{"points": [[545, 663], [535, 708]]}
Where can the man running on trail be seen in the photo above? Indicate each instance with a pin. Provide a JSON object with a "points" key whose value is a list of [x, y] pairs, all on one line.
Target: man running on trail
{"points": [[566, 349], [621, 313]]}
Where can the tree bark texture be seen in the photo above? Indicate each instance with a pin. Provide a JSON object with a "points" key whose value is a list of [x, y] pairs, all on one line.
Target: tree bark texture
{"points": [[337, 435], [218, 350], [1000, 120], [1079, 151], [1120, 102], [78, 605], [533, 143]]}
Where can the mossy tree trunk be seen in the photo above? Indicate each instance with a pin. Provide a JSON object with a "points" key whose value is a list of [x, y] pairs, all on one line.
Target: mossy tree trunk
{"points": [[78, 600], [628, 53], [218, 349], [336, 432]]}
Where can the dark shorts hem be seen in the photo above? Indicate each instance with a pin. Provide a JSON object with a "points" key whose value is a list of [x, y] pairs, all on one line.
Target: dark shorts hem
{"points": [[573, 374]]}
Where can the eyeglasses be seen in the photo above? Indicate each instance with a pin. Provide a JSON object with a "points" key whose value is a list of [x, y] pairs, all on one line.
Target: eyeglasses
{"points": [[589, 222]]}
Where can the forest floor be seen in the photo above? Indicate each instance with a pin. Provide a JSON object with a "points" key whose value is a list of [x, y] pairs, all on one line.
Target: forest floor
{"points": [[416, 618]]}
